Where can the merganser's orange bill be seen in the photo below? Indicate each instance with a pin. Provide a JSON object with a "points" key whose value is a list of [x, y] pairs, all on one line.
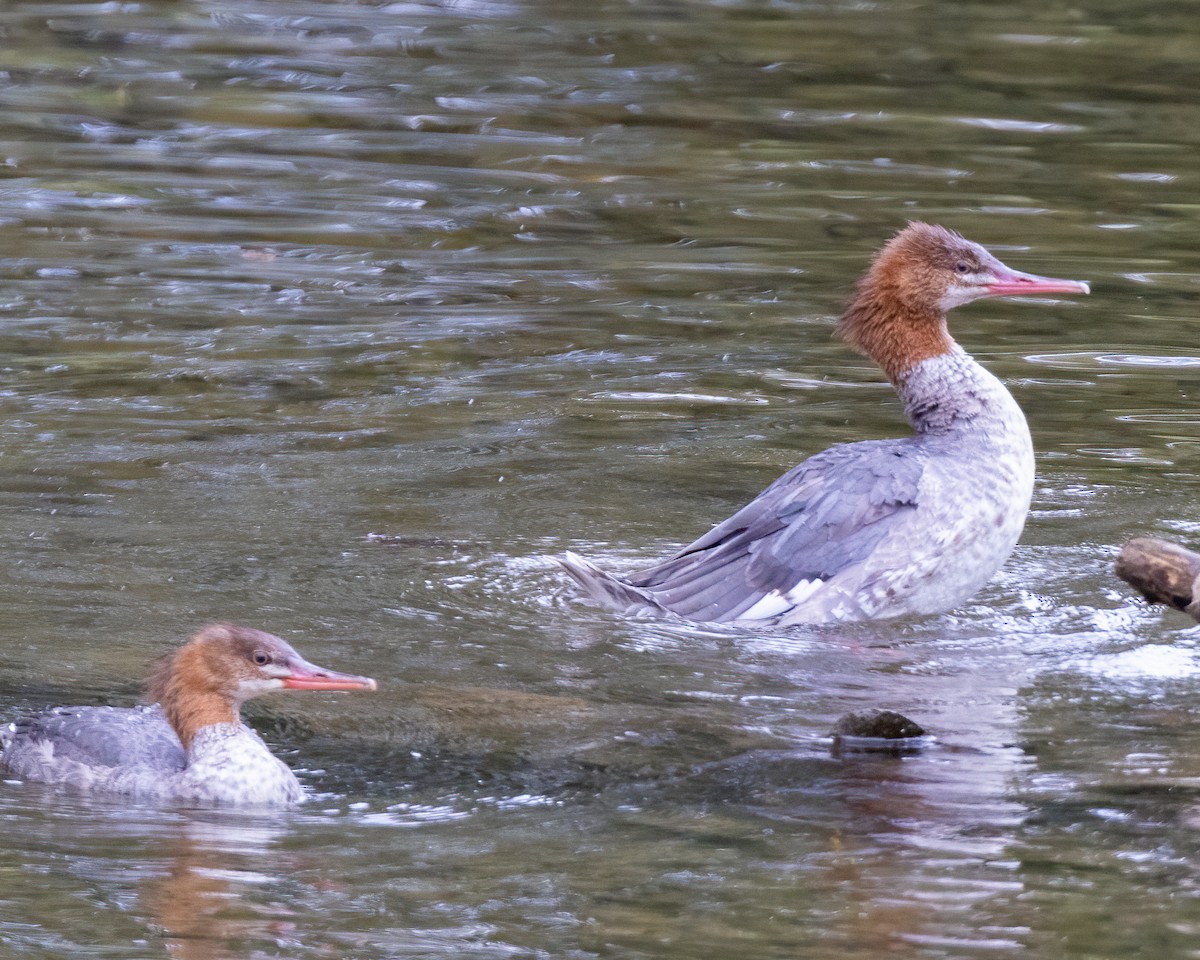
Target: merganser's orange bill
{"points": [[308, 676], [1014, 283]]}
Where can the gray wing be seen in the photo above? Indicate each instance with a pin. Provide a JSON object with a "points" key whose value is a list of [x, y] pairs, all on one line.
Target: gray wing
{"points": [[818, 519], [101, 737]]}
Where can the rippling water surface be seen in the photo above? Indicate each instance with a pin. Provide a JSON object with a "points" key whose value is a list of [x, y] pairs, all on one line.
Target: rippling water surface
{"points": [[342, 318]]}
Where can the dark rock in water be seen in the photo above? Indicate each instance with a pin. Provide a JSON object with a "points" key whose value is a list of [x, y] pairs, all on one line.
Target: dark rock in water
{"points": [[876, 731], [886, 724]]}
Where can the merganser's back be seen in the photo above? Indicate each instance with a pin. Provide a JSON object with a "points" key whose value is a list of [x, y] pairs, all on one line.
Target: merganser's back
{"points": [[190, 745], [878, 528]]}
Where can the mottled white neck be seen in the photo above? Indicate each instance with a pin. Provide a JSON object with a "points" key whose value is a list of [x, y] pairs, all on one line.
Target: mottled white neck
{"points": [[229, 763], [952, 394]]}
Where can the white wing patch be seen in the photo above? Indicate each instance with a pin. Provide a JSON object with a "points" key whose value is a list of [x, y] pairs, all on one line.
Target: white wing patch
{"points": [[778, 601]]}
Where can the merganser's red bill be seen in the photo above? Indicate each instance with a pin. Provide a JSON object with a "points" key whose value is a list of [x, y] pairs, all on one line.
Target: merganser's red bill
{"points": [[308, 676], [1013, 283]]}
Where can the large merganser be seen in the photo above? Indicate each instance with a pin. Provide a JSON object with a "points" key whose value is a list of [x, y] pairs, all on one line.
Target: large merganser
{"points": [[881, 528], [191, 744]]}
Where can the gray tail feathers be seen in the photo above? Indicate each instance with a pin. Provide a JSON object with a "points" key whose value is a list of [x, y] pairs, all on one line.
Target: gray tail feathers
{"points": [[608, 590]]}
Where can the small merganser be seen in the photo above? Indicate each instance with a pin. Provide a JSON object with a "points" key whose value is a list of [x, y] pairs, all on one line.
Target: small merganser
{"points": [[881, 528], [191, 745]]}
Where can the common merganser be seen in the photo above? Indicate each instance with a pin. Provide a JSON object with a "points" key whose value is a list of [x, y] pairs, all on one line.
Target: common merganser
{"points": [[880, 528], [191, 744]]}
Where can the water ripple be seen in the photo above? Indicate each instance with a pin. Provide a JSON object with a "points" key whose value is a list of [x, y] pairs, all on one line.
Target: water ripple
{"points": [[1086, 360]]}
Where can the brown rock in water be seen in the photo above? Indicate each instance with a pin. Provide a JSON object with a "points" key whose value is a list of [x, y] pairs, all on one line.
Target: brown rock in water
{"points": [[875, 731], [881, 724], [1162, 572]]}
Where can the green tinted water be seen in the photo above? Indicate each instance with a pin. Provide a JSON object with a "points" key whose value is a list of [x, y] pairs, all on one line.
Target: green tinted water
{"points": [[342, 318]]}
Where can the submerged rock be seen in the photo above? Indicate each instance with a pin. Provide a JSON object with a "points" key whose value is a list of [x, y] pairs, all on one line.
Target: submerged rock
{"points": [[876, 731]]}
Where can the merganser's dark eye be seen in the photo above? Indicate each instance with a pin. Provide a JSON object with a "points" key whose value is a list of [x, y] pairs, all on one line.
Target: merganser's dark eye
{"points": [[262, 659], [961, 267]]}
